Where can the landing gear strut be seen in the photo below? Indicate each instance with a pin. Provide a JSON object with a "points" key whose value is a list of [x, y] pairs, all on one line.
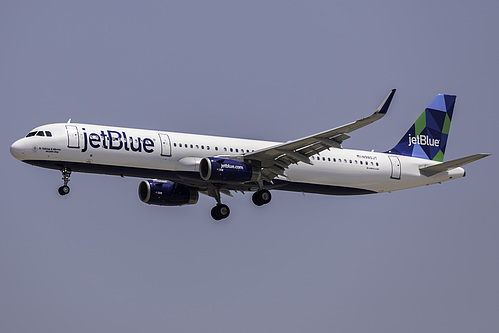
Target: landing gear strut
{"points": [[261, 197], [64, 189]]}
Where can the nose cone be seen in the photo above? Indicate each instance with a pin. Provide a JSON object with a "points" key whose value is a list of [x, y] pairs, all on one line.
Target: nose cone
{"points": [[17, 149]]}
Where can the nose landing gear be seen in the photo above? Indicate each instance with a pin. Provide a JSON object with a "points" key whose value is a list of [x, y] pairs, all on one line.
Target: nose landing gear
{"points": [[64, 189]]}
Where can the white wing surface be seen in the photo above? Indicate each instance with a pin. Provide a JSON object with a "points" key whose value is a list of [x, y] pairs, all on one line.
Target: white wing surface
{"points": [[274, 160]]}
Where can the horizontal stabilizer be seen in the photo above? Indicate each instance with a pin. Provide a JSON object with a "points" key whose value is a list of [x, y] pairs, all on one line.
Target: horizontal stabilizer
{"points": [[446, 166]]}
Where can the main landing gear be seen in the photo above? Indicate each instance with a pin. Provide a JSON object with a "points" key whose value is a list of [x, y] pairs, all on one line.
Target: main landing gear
{"points": [[222, 211], [64, 189], [261, 197]]}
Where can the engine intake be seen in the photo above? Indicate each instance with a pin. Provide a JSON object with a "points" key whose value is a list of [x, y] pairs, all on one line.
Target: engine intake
{"points": [[227, 171], [165, 193]]}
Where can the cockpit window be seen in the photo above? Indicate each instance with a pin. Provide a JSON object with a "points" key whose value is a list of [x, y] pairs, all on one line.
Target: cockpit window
{"points": [[40, 133], [30, 134], [47, 133]]}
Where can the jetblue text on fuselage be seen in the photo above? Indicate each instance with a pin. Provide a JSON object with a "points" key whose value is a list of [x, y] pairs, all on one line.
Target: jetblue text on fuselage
{"points": [[423, 140], [116, 141]]}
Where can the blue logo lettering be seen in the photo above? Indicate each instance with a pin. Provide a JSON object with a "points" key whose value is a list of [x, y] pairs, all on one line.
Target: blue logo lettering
{"points": [[116, 141]]}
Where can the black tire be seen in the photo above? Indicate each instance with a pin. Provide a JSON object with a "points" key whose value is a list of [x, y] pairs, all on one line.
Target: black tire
{"points": [[63, 190], [256, 199], [214, 214], [261, 197], [220, 212], [265, 196]]}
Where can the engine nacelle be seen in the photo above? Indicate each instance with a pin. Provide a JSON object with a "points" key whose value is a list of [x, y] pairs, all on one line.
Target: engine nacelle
{"points": [[165, 193], [227, 171]]}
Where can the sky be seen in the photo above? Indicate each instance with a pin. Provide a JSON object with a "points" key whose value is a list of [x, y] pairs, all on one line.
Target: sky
{"points": [[100, 260]]}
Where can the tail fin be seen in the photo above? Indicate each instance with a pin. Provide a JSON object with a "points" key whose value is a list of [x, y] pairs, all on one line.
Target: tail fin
{"points": [[427, 138]]}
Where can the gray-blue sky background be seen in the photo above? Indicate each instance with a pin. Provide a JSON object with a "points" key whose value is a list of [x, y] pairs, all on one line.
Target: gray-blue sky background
{"points": [[420, 260]]}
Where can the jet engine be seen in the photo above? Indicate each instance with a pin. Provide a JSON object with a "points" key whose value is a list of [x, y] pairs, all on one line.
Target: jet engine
{"points": [[227, 171], [166, 193]]}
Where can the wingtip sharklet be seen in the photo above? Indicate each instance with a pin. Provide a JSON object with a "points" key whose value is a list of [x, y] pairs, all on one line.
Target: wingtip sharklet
{"points": [[383, 108]]}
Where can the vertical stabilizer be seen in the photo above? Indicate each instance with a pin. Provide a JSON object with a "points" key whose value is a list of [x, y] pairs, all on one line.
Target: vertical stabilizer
{"points": [[427, 137]]}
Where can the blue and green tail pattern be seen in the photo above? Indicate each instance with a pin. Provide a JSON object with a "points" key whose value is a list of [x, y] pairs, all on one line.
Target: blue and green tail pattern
{"points": [[427, 138]]}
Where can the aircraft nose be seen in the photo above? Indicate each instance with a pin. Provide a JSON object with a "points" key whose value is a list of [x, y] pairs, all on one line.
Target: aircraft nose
{"points": [[17, 150]]}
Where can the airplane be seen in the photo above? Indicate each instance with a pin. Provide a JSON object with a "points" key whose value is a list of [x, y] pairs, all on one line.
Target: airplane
{"points": [[179, 166]]}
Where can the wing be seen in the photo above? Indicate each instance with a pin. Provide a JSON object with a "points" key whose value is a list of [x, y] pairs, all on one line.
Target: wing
{"points": [[274, 160]]}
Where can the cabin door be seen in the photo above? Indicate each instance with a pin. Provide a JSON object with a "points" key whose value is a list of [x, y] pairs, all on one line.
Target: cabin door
{"points": [[73, 137], [396, 168], [166, 146]]}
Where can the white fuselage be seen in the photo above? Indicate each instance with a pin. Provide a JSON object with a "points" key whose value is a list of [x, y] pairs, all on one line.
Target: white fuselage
{"points": [[174, 156]]}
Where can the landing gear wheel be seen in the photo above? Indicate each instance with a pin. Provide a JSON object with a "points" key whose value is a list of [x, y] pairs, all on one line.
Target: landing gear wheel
{"points": [[63, 190], [261, 197], [220, 212]]}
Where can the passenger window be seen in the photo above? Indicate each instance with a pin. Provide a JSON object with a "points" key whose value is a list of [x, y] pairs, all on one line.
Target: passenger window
{"points": [[197, 146], [237, 150], [216, 148], [40, 133], [192, 146], [231, 150], [334, 159], [377, 164], [202, 147]]}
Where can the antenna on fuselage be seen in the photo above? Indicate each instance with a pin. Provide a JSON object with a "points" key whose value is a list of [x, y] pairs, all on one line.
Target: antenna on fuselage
{"points": [[69, 121]]}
